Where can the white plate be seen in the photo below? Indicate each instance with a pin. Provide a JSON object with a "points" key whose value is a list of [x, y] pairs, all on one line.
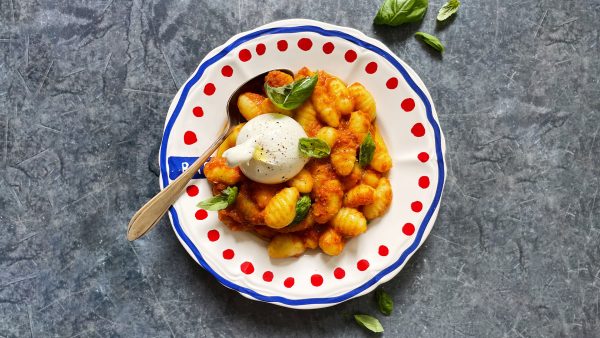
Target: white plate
{"points": [[408, 122]]}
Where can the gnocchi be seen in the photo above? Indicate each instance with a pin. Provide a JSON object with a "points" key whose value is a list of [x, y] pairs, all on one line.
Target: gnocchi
{"points": [[327, 135], [286, 245], [303, 181], [359, 195], [370, 177], [343, 154], [217, 171], [381, 201], [363, 100], [382, 161], [331, 242], [306, 115], [349, 222], [281, 209], [344, 195]]}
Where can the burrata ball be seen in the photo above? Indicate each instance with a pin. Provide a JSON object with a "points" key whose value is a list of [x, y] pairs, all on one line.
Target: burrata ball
{"points": [[267, 149]]}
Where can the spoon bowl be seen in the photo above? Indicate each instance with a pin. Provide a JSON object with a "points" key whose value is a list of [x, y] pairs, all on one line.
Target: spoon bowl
{"points": [[149, 214]]}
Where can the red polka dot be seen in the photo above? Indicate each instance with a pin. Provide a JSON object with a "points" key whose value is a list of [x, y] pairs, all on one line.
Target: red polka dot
{"points": [[268, 276], [247, 268], [392, 83], [418, 130], [362, 265], [423, 182], [416, 206], [423, 157], [261, 49], [350, 55], [383, 250], [328, 48], [201, 214], [371, 67], [189, 137], [288, 282], [245, 55], [227, 71], [228, 254], [339, 273], [316, 280], [305, 44], [192, 190], [198, 111], [408, 229], [209, 89], [407, 104], [213, 235], [282, 45]]}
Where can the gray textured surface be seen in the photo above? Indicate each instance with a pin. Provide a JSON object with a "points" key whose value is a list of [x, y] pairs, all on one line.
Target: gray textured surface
{"points": [[84, 89]]}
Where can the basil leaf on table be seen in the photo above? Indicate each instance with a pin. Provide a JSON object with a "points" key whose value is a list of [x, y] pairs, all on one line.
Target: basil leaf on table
{"points": [[367, 150], [431, 41], [313, 147], [220, 201], [302, 208], [291, 96], [385, 302], [398, 12], [369, 322], [448, 10]]}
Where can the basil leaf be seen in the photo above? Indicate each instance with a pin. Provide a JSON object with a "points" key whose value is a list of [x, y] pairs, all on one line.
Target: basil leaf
{"points": [[367, 150], [398, 12], [313, 147], [302, 208], [291, 96], [220, 201], [431, 41], [368, 322], [448, 10], [385, 302]]}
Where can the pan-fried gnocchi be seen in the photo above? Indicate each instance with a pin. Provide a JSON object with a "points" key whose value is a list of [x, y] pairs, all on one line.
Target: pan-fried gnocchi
{"points": [[281, 209], [303, 181], [333, 198], [327, 135]]}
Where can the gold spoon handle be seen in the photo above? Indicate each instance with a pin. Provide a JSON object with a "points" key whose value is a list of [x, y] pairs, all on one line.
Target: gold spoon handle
{"points": [[148, 215]]}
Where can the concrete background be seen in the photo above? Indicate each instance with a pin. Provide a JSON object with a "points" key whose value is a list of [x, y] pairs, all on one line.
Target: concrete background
{"points": [[84, 89]]}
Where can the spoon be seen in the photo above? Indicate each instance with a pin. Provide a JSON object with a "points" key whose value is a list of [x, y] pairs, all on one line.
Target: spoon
{"points": [[148, 215]]}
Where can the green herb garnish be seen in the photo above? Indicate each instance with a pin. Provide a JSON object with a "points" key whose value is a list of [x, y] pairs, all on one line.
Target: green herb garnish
{"points": [[302, 208], [368, 322], [220, 201], [291, 96], [431, 41], [367, 150], [384, 301], [314, 147], [448, 10], [398, 12]]}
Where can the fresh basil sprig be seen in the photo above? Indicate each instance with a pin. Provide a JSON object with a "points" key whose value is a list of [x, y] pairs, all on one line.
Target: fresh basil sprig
{"points": [[221, 201], [367, 150], [313, 147], [384, 301], [431, 41], [369, 322], [448, 10], [302, 208], [291, 96], [398, 12]]}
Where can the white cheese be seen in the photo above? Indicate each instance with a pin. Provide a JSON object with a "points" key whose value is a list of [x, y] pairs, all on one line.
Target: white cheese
{"points": [[267, 149]]}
